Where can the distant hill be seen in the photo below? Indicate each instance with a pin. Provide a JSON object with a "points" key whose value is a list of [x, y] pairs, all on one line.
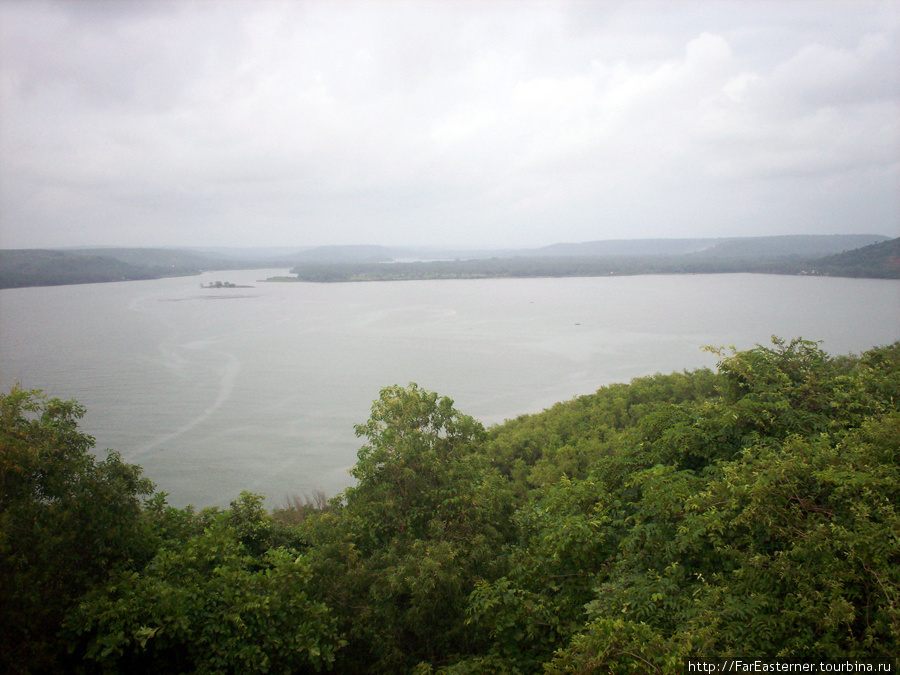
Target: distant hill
{"points": [[348, 253], [39, 267], [264, 254], [837, 255], [774, 247], [879, 261], [770, 247], [801, 246], [767, 255], [19, 268], [181, 260], [624, 247]]}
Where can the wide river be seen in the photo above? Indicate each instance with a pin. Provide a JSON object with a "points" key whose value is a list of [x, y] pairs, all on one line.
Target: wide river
{"points": [[217, 391]]}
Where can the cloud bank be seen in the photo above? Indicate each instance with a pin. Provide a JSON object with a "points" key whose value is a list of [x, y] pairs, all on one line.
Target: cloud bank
{"points": [[445, 123]]}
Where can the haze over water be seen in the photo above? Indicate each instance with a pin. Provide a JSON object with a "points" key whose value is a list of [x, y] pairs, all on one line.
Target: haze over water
{"points": [[216, 391]]}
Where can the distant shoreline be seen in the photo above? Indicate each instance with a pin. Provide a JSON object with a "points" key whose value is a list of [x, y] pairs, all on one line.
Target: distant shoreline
{"points": [[854, 256], [883, 265]]}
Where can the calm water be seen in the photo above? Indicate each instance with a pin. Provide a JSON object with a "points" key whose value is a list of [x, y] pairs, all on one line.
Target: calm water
{"points": [[215, 391]]}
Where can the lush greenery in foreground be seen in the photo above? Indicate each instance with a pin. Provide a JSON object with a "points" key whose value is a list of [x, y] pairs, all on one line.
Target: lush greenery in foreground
{"points": [[749, 511]]}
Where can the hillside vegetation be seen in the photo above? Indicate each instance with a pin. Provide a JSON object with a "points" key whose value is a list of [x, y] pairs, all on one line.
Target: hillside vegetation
{"points": [[37, 267], [751, 510], [54, 268], [813, 255], [795, 254], [879, 261]]}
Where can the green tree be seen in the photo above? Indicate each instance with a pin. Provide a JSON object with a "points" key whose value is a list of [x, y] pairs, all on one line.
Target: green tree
{"points": [[763, 522], [208, 606], [424, 522], [67, 521]]}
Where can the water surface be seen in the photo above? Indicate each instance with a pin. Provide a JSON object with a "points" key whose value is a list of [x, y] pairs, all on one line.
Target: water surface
{"points": [[217, 390]]}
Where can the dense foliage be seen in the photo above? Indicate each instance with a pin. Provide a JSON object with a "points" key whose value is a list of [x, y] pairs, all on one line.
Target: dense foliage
{"points": [[749, 511], [876, 261], [20, 268], [66, 523]]}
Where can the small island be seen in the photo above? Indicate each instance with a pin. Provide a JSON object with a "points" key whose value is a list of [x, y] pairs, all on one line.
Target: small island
{"points": [[222, 284]]}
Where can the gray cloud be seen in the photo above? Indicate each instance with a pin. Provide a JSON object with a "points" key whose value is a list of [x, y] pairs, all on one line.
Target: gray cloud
{"points": [[482, 124]]}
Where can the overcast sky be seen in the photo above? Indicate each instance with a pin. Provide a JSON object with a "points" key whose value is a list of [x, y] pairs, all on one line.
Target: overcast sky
{"points": [[467, 123]]}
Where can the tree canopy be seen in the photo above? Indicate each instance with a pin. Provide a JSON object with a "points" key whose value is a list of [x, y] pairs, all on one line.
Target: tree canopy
{"points": [[746, 511]]}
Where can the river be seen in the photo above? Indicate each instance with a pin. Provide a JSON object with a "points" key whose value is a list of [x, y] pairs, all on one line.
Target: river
{"points": [[214, 391]]}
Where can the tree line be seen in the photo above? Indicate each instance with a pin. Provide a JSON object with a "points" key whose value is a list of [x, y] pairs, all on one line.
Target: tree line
{"points": [[878, 261], [749, 510], [770, 255]]}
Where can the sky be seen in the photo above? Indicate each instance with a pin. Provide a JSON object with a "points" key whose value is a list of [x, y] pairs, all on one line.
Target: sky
{"points": [[467, 123]]}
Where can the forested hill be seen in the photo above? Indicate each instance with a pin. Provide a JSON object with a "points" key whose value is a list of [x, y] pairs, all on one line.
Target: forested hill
{"points": [[40, 267], [765, 255], [801, 246], [53, 268], [752, 511], [880, 261], [781, 255], [805, 247]]}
